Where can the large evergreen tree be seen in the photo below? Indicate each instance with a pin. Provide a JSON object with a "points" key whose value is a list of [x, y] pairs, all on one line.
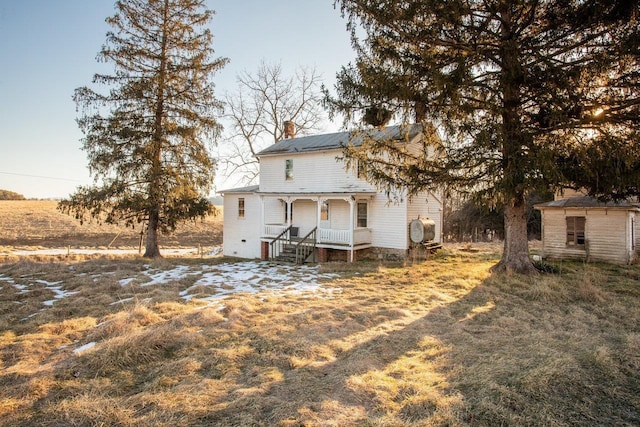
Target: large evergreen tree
{"points": [[145, 136], [530, 95]]}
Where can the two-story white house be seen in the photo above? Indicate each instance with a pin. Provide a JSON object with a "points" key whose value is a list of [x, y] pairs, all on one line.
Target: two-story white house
{"points": [[309, 202]]}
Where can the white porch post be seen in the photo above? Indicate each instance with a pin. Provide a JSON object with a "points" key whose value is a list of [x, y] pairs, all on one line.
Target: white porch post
{"points": [[352, 203], [320, 201], [262, 215]]}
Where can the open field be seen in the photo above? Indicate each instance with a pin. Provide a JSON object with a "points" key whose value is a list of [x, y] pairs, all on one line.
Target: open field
{"points": [[29, 224], [130, 342]]}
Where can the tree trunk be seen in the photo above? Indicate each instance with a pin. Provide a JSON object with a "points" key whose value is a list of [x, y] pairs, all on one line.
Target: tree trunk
{"points": [[151, 249], [515, 256]]}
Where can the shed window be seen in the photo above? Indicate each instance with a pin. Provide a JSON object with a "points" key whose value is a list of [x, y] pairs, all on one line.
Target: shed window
{"points": [[362, 214], [288, 169], [241, 207], [324, 211], [575, 230]]}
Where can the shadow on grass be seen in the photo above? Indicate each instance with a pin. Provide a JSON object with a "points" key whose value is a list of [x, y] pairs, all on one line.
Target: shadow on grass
{"points": [[420, 345]]}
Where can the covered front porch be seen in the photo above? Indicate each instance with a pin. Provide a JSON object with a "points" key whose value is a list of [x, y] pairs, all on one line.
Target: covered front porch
{"points": [[329, 220]]}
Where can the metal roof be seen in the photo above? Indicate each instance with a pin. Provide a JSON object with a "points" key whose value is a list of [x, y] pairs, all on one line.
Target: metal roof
{"points": [[585, 202], [332, 141], [249, 189]]}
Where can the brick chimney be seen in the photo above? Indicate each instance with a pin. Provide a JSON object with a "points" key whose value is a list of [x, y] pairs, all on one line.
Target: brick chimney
{"points": [[289, 129]]}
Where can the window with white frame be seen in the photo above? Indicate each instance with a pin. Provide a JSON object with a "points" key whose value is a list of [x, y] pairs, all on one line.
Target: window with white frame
{"points": [[288, 169], [361, 214], [324, 211], [360, 169], [241, 207]]}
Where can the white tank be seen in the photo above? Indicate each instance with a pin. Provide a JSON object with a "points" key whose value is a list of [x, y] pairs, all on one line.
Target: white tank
{"points": [[422, 230]]}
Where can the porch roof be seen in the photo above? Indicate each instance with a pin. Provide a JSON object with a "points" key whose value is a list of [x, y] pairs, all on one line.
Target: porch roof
{"points": [[339, 194], [248, 189]]}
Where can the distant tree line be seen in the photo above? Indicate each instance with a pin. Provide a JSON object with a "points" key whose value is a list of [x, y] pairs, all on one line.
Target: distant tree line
{"points": [[474, 220], [10, 195]]}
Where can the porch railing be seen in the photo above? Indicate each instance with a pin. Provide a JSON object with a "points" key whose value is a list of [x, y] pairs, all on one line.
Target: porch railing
{"points": [[277, 245], [305, 247], [334, 236], [272, 230], [343, 237], [322, 235]]}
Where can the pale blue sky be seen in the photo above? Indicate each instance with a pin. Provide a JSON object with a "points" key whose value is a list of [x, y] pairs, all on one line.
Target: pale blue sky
{"points": [[48, 48]]}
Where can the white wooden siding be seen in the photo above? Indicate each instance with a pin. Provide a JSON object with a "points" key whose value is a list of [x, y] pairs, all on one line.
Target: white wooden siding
{"points": [[305, 216], [312, 172], [606, 233], [273, 211], [339, 215], [241, 236], [388, 223]]}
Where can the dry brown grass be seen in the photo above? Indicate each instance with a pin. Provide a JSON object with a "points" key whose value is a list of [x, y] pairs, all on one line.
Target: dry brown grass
{"points": [[38, 224], [436, 343]]}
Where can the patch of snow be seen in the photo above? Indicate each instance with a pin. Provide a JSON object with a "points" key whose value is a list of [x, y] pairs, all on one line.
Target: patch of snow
{"points": [[122, 301], [59, 293], [167, 276], [6, 279], [251, 277], [84, 348], [125, 282], [22, 288]]}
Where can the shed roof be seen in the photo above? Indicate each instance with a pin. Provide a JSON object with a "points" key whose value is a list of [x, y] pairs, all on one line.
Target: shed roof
{"points": [[585, 202], [248, 189], [332, 141]]}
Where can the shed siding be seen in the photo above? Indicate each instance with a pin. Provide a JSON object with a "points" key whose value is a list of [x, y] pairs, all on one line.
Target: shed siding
{"points": [[606, 234], [238, 229]]}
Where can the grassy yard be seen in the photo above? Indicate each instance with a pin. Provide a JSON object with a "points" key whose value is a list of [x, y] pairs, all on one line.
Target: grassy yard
{"points": [[30, 224], [435, 343]]}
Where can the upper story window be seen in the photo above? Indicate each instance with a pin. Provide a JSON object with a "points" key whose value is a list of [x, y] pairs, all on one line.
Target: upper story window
{"points": [[361, 214], [575, 231], [241, 207], [288, 169], [360, 169]]}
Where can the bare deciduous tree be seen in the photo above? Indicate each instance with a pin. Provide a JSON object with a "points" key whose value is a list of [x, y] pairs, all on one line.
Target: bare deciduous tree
{"points": [[257, 111]]}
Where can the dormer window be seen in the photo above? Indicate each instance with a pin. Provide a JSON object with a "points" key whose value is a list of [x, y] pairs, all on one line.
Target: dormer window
{"points": [[288, 169]]}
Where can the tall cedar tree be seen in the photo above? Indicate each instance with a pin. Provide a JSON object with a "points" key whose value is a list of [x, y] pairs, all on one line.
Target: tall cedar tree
{"points": [[145, 137], [530, 95]]}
